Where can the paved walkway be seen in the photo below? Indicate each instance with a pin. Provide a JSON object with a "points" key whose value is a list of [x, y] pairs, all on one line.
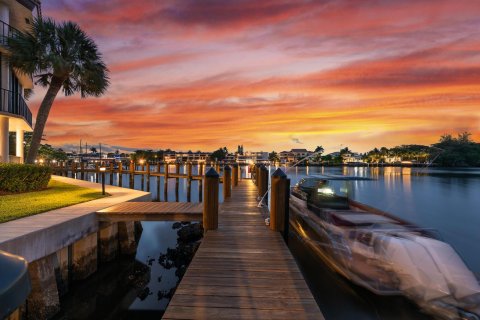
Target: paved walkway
{"points": [[243, 270], [37, 236]]}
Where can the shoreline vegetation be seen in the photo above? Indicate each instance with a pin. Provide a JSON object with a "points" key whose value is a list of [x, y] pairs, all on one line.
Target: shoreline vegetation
{"points": [[448, 152], [56, 195]]}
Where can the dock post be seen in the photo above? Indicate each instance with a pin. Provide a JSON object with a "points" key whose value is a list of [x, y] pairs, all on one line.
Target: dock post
{"points": [[165, 181], [189, 181], [279, 205], [120, 174], [82, 170], [97, 171], [132, 175], [200, 169], [235, 175], [210, 203], [257, 173], [227, 182], [74, 170], [177, 181], [262, 181], [112, 170]]}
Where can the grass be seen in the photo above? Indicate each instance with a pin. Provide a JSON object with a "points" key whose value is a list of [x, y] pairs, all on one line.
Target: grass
{"points": [[57, 195]]}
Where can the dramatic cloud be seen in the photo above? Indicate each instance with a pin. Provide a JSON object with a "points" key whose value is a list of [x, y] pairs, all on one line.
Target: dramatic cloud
{"points": [[272, 74]]}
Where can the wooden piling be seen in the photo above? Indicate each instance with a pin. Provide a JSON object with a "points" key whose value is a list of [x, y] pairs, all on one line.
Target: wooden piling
{"points": [[189, 181], [177, 182], [262, 181], [279, 203], [210, 203], [97, 171], [82, 170], [165, 181], [235, 174], [227, 182]]}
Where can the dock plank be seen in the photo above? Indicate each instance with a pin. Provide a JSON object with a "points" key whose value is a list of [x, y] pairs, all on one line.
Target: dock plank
{"points": [[242, 270], [152, 211]]}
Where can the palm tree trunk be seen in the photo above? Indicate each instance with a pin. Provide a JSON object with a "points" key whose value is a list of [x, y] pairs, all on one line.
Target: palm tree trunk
{"points": [[42, 116]]}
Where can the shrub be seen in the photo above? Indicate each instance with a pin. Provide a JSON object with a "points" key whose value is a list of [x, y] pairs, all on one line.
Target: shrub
{"points": [[23, 177]]}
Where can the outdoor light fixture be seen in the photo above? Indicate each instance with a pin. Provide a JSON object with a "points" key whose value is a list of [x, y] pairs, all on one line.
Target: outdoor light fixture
{"points": [[102, 170], [141, 161]]}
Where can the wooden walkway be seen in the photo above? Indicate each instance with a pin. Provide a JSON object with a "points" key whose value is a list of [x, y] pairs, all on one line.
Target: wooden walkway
{"points": [[242, 270], [152, 211]]}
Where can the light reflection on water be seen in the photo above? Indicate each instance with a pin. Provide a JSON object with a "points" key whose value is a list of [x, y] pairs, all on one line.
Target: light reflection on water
{"points": [[443, 199]]}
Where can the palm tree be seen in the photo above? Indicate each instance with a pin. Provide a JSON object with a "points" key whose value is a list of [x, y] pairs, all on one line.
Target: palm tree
{"points": [[58, 56]]}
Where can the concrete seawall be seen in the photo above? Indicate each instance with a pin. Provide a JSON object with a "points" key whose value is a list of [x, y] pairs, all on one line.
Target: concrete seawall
{"points": [[67, 244]]}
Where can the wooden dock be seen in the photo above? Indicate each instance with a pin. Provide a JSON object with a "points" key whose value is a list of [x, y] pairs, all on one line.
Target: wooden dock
{"points": [[242, 270], [152, 211]]}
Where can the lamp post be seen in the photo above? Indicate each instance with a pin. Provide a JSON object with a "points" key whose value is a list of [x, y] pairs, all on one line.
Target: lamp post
{"points": [[102, 170]]}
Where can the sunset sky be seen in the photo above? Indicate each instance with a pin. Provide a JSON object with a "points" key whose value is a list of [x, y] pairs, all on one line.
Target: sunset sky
{"points": [[273, 74]]}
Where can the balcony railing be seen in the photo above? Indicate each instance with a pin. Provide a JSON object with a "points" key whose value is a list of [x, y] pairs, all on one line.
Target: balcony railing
{"points": [[14, 103], [6, 31]]}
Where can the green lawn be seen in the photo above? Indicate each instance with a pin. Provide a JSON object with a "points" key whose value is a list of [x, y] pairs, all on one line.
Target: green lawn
{"points": [[57, 195]]}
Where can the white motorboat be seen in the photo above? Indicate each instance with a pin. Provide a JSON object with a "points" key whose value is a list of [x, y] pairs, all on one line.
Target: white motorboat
{"points": [[382, 253]]}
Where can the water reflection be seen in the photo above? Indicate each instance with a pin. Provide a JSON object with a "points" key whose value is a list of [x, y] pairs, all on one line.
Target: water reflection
{"points": [[442, 199]]}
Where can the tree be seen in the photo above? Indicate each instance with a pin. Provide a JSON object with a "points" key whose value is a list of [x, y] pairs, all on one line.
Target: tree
{"points": [[220, 154], [273, 157], [93, 150], [58, 56], [318, 154], [319, 149], [49, 153], [457, 152]]}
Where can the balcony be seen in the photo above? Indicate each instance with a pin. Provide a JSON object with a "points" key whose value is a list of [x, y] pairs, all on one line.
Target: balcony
{"points": [[6, 31], [14, 103]]}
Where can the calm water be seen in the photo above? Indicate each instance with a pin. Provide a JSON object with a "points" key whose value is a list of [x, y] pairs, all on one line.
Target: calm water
{"points": [[445, 200]]}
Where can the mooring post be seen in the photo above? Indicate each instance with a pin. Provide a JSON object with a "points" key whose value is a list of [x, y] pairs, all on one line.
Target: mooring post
{"points": [[227, 182], [165, 181], [262, 181], [111, 173], [132, 175], [210, 203], [132, 167], [189, 171], [200, 169], [82, 170], [279, 204], [257, 173], [148, 168], [235, 175], [97, 172], [159, 165], [189, 181], [177, 182]]}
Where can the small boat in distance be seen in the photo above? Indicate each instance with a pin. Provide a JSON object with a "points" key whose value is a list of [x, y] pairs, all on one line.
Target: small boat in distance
{"points": [[385, 254]]}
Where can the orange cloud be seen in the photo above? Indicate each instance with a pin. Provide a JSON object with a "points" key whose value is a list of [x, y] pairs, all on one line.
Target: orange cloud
{"points": [[199, 75]]}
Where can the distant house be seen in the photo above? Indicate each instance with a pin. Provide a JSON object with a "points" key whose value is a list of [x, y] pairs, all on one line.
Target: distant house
{"points": [[180, 156], [294, 155], [351, 157], [15, 116]]}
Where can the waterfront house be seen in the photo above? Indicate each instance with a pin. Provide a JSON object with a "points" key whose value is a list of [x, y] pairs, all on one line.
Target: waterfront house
{"points": [[15, 116], [294, 155]]}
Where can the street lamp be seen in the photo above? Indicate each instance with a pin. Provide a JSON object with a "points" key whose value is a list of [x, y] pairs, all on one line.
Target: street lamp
{"points": [[102, 170]]}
